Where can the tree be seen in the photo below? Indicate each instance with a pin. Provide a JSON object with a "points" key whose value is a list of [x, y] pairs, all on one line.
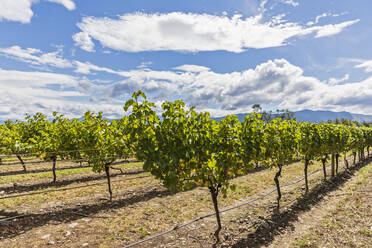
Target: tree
{"points": [[256, 108], [283, 114]]}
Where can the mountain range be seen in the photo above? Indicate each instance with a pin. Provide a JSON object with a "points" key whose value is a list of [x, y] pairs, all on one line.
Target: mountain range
{"points": [[320, 116]]}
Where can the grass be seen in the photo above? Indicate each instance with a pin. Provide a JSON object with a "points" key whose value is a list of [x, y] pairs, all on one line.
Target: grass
{"points": [[11, 159], [87, 194], [303, 242], [60, 173], [365, 231]]}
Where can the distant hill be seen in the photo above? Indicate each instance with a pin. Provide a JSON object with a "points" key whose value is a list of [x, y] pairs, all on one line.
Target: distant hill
{"points": [[303, 115], [319, 116]]}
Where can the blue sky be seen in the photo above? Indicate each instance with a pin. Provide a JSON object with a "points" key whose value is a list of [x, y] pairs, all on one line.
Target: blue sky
{"points": [[221, 56]]}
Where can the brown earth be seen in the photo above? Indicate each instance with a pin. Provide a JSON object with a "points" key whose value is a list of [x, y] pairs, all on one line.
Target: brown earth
{"points": [[141, 207]]}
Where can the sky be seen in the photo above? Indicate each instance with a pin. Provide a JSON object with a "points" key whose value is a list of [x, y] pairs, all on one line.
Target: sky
{"points": [[220, 56]]}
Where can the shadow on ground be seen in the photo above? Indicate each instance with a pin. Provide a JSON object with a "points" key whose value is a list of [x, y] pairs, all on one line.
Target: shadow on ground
{"points": [[16, 226], [17, 188], [270, 227]]}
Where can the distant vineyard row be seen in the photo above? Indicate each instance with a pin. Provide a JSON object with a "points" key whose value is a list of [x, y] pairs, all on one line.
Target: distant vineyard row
{"points": [[184, 148]]}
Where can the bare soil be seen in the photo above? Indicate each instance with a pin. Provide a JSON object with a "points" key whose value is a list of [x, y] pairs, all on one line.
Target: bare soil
{"points": [[142, 207]]}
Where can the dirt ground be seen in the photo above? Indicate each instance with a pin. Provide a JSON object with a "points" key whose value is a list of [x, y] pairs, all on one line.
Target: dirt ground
{"points": [[141, 207], [342, 219]]}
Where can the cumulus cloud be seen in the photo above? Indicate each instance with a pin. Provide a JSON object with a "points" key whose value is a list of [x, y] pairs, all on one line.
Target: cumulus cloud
{"points": [[36, 56], [16, 10], [20, 88], [276, 82], [19, 79], [136, 32], [31, 92], [273, 83], [15, 105], [20, 10], [353, 97]]}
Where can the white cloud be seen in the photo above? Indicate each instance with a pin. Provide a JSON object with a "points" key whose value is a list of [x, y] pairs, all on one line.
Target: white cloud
{"points": [[144, 65], [84, 41], [16, 10], [36, 56], [19, 79], [367, 65], [191, 68], [332, 29], [262, 5], [317, 18], [324, 15], [191, 32], [291, 2], [353, 97], [15, 105], [20, 10], [87, 68], [271, 83], [334, 81], [69, 4], [274, 82], [31, 92]]}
